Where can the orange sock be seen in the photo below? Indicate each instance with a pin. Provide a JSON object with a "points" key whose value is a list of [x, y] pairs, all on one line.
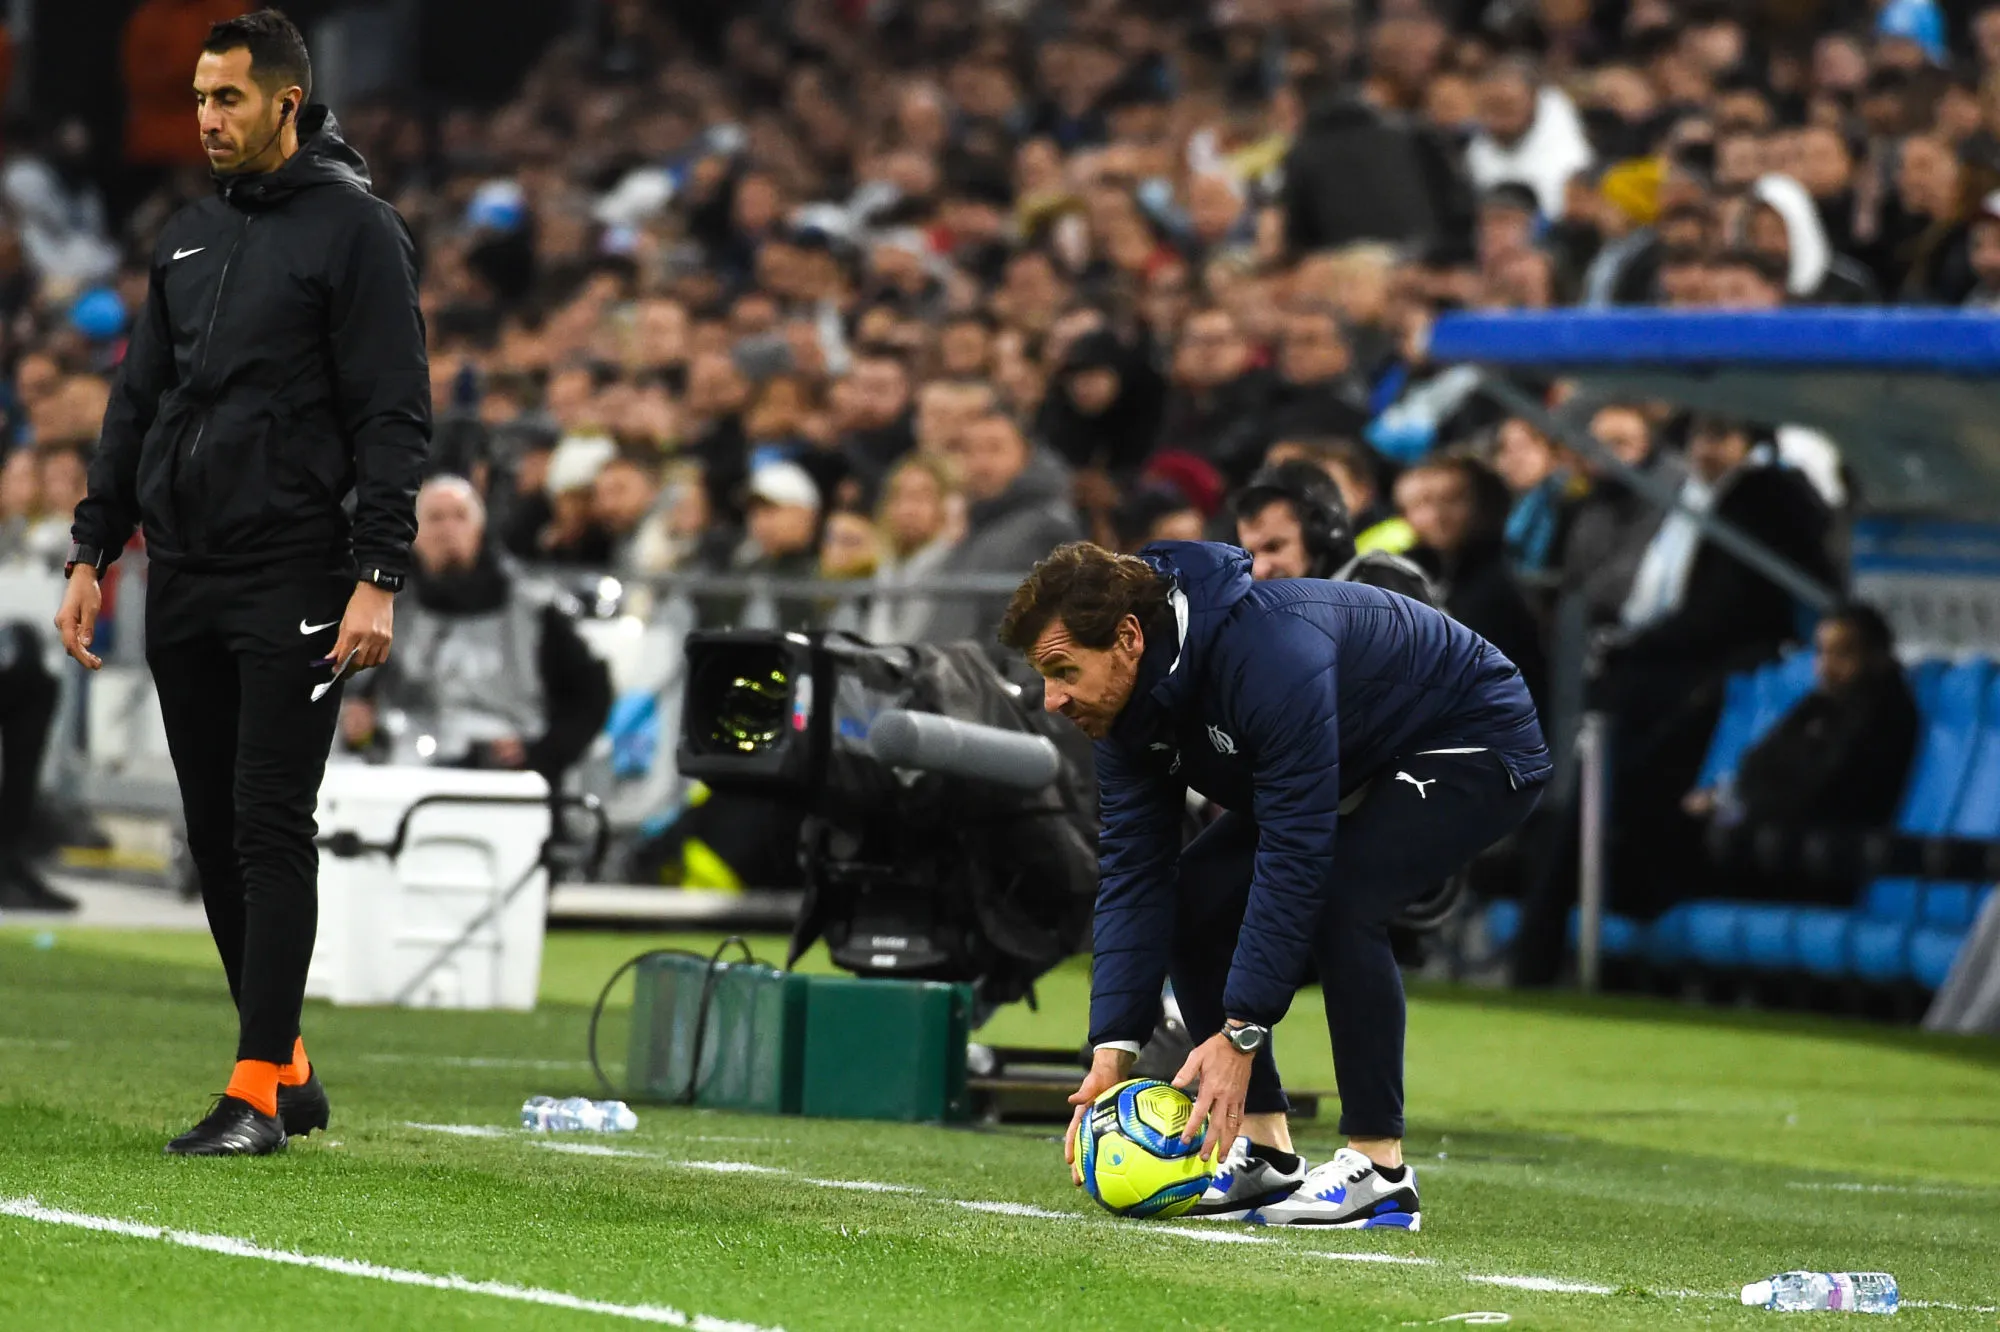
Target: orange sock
{"points": [[295, 1073], [256, 1082]]}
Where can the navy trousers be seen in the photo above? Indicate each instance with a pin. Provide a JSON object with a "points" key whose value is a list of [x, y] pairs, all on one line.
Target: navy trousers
{"points": [[1424, 817]]}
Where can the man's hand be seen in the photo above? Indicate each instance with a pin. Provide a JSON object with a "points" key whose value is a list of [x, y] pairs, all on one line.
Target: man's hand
{"points": [[508, 752], [1107, 1069], [77, 620], [1699, 803], [1224, 1075], [368, 627]]}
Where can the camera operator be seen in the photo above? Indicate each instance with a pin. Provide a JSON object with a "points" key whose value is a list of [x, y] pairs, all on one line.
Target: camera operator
{"points": [[1294, 522], [492, 673]]}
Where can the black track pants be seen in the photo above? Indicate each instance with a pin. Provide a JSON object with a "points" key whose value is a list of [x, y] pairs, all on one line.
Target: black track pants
{"points": [[232, 656], [1425, 817]]}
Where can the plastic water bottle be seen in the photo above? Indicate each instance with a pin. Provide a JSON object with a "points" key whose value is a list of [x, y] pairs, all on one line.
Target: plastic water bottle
{"points": [[577, 1114], [1816, 1292]]}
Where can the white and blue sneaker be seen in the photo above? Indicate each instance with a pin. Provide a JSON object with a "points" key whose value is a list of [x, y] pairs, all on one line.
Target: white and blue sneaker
{"points": [[1244, 1182], [1347, 1193]]}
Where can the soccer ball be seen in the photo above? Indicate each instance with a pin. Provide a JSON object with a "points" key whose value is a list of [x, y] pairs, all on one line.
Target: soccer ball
{"points": [[1130, 1153]]}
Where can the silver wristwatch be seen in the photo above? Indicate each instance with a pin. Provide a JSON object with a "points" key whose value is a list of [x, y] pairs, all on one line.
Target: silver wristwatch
{"points": [[1247, 1037]]}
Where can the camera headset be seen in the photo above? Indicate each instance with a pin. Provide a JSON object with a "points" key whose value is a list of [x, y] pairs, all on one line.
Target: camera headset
{"points": [[1324, 524]]}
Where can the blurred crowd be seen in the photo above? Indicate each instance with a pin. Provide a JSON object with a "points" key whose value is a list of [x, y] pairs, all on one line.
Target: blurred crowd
{"points": [[916, 288]]}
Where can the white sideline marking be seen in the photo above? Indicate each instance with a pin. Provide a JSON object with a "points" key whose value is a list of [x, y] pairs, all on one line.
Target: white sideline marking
{"points": [[1933, 1190], [478, 1061], [29, 1210], [459, 1130], [589, 1149], [1014, 1209], [1214, 1236], [1548, 1284], [722, 1167], [860, 1185], [1397, 1258]]}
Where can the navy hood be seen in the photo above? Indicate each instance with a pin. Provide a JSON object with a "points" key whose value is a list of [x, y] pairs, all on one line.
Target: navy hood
{"points": [[1209, 581]]}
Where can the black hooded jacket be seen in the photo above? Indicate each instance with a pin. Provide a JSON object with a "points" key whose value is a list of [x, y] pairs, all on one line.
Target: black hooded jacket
{"points": [[277, 369]]}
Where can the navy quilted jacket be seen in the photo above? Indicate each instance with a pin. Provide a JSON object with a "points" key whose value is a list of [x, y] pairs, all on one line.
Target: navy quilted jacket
{"points": [[1277, 699]]}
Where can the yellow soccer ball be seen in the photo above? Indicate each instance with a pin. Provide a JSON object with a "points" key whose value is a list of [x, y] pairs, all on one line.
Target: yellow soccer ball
{"points": [[1130, 1153]]}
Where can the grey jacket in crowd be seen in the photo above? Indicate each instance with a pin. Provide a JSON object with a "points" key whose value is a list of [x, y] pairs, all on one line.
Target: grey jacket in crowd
{"points": [[1005, 535]]}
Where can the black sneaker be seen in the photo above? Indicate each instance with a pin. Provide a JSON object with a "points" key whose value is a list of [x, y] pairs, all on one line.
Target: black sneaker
{"points": [[22, 888], [234, 1127], [304, 1107]]}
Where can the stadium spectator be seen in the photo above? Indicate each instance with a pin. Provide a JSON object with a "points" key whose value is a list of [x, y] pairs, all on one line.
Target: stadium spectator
{"points": [[1105, 413], [921, 518], [781, 527], [490, 672], [1218, 395], [1318, 390], [1696, 610], [1017, 510], [1457, 508], [1983, 252], [1611, 525], [1838, 760], [1784, 225], [1543, 484], [1529, 133]]}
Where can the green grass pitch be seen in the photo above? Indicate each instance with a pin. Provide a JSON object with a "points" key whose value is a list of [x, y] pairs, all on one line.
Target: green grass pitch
{"points": [[1586, 1165]]}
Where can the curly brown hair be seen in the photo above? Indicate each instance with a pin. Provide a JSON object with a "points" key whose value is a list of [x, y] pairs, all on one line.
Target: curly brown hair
{"points": [[1090, 589]]}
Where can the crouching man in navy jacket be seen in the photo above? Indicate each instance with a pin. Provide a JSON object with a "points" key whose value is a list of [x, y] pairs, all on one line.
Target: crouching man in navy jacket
{"points": [[1365, 747]]}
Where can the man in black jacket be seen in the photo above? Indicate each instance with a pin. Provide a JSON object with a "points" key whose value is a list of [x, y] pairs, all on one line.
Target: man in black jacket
{"points": [[277, 369], [1838, 759]]}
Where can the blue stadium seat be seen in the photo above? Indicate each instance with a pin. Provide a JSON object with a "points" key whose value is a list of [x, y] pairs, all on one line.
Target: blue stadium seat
{"points": [[1503, 923], [1712, 933], [1931, 955], [1819, 941], [1618, 936], [1879, 950], [1948, 906], [1665, 943], [1764, 936], [1892, 900], [1953, 732], [1623, 936]]}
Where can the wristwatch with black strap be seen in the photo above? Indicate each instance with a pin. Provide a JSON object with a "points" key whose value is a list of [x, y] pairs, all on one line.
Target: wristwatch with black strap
{"points": [[82, 554], [383, 579], [1246, 1037]]}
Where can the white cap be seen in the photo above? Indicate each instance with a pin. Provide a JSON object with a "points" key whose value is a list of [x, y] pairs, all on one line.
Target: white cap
{"points": [[784, 483], [1757, 1293], [577, 461]]}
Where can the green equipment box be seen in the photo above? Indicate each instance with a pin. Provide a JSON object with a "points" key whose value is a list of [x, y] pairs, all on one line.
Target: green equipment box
{"points": [[782, 1043]]}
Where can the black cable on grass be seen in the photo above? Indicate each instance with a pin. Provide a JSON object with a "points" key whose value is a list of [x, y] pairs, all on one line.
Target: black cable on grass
{"points": [[710, 963]]}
